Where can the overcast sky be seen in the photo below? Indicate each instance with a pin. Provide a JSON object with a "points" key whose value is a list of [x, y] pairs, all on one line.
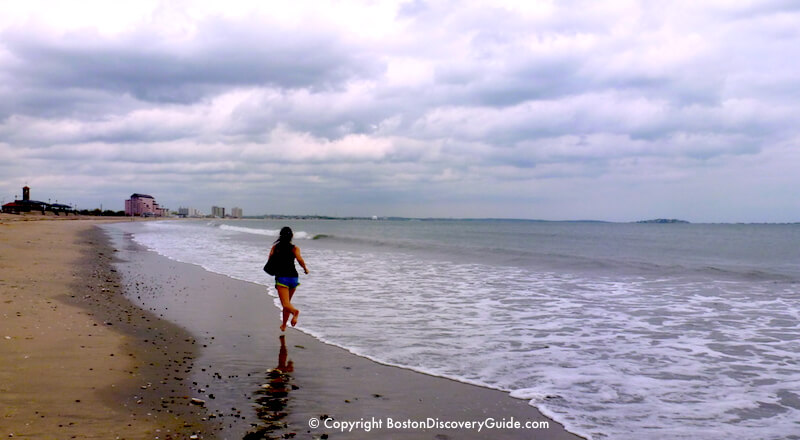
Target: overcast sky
{"points": [[612, 110]]}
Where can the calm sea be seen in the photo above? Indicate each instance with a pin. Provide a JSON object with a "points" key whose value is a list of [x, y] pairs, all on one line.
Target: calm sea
{"points": [[616, 330]]}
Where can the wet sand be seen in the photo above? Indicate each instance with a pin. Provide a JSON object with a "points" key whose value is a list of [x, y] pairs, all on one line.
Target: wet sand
{"points": [[77, 360], [257, 384]]}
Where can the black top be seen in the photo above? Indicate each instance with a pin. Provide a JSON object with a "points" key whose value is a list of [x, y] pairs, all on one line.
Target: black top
{"points": [[284, 259]]}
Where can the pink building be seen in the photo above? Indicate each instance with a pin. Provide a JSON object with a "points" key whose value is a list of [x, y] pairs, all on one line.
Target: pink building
{"points": [[143, 205]]}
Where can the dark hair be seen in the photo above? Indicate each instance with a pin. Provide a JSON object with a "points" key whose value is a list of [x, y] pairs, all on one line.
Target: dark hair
{"points": [[285, 238]]}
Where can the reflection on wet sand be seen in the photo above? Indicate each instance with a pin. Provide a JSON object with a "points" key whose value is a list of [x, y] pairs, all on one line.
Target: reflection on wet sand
{"points": [[272, 399]]}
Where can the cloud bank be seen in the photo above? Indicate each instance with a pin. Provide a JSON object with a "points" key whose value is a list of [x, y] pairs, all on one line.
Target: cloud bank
{"points": [[557, 110]]}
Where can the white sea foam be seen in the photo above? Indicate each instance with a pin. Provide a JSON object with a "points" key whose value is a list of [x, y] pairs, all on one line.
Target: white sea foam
{"points": [[256, 231], [610, 357]]}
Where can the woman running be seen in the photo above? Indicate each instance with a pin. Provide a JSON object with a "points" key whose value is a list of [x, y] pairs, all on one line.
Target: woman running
{"points": [[286, 277]]}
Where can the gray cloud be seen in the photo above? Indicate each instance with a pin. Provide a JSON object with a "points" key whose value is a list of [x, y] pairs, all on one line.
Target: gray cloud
{"points": [[221, 55], [446, 110]]}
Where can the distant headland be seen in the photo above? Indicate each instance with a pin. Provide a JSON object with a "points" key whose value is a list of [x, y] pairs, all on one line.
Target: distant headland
{"points": [[663, 220]]}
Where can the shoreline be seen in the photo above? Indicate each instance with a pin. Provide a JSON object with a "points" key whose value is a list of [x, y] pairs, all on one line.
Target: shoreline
{"points": [[73, 357], [79, 359], [257, 384]]}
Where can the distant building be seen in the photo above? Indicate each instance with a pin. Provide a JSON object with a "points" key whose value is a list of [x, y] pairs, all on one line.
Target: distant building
{"points": [[28, 205], [236, 212], [144, 205], [216, 211], [189, 212]]}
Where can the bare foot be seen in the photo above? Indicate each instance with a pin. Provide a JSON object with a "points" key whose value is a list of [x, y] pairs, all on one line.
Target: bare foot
{"points": [[294, 318], [283, 327]]}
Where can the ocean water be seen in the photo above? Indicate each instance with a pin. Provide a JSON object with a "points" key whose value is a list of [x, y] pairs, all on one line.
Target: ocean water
{"points": [[619, 331]]}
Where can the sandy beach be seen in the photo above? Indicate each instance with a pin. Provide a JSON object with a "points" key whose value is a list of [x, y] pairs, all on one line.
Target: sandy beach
{"points": [[80, 360], [74, 361]]}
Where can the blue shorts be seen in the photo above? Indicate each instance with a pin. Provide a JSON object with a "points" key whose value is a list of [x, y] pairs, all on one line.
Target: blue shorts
{"points": [[288, 282]]}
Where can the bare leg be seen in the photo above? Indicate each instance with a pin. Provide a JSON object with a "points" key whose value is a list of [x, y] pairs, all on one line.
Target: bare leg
{"points": [[296, 312], [286, 314], [288, 309]]}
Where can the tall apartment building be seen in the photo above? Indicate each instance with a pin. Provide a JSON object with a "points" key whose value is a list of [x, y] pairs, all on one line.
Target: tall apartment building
{"points": [[216, 211], [236, 212]]}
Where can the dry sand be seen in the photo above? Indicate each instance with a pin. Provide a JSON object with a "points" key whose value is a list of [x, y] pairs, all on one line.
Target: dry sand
{"points": [[72, 357]]}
